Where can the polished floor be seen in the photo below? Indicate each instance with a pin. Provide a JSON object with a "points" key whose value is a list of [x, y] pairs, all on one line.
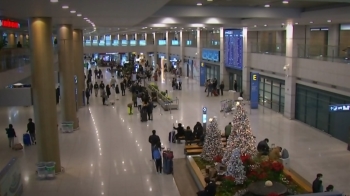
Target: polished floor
{"points": [[110, 154]]}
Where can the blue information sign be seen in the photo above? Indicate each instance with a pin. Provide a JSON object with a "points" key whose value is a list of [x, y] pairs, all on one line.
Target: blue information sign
{"points": [[254, 90], [211, 55], [339, 108], [233, 47], [204, 115]]}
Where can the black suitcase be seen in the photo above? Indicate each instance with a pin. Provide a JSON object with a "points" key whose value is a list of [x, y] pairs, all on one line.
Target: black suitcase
{"points": [[143, 116], [171, 137]]}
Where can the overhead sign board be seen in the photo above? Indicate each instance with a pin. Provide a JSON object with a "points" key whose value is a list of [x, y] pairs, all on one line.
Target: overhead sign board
{"points": [[211, 55], [339, 108], [9, 24]]}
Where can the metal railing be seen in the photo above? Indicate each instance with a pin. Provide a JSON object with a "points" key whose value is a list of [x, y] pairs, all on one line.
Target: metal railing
{"points": [[13, 58]]}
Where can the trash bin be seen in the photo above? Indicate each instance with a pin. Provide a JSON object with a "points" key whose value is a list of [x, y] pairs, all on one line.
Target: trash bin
{"points": [[41, 170], [50, 169]]}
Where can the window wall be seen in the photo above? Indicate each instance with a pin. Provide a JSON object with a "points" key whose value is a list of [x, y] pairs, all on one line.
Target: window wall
{"points": [[312, 108], [271, 93]]}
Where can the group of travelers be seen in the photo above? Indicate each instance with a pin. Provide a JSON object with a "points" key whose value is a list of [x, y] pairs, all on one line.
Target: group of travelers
{"points": [[176, 83], [190, 135], [11, 133], [211, 86]]}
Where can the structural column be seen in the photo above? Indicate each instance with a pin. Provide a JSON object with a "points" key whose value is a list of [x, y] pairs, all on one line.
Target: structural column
{"points": [[246, 64], [69, 94], [295, 35], [224, 76], [182, 48], [167, 49], [199, 51], [79, 64], [11, 40], [43, 90], [333, 41]]}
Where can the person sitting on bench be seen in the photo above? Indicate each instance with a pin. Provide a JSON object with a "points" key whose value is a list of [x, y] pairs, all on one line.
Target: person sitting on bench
{"points": [[180, 132], [198, 130], [209, 190], [189, 135], [263, 147]]}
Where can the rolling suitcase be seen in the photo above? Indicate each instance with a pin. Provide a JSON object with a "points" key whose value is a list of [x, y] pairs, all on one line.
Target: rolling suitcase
{"points": [[171, 137], [168, 161], [215, 92], [26, 139], [143, 116]]}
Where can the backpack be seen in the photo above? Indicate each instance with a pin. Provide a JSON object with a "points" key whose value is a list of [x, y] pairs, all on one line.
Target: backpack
{"points": [[156, 153]]}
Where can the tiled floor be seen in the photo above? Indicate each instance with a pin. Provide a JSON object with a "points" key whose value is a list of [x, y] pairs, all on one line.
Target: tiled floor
{"points": [[110, 154]]}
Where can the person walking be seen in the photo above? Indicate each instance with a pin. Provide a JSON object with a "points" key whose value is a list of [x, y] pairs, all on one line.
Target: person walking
{"points": [[122, 86], [153, 140], [104, 96], [87, 95], [11, 134], [100, 73], [222, 86], [317, 184], [117, 91], [150, 110], [102, 87], [157, 158], [108, 90], [113, 82], [179, 82], [31, 130], [96, 89], [96, 73], [139, 103], [91, 86], [58, 95]]}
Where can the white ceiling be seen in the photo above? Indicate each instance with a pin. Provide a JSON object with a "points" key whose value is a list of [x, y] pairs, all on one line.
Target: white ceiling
{"points": [[130, 16]]}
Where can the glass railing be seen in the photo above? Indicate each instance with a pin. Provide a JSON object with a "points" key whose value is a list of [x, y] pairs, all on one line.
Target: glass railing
{"points": [[324, 53], [13, 58], [272, 49]]}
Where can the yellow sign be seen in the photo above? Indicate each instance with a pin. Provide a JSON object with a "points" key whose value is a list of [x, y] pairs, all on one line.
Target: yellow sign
{"points": [[255, 77]]}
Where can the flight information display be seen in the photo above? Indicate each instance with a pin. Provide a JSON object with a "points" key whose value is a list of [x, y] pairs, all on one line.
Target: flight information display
{"points": [[233, 47]]}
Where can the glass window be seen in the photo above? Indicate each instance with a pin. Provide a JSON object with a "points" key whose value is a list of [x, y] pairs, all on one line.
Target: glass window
{"points": [[276, 96], [267, 95], [311, 108], [300, 104], [323, 113]]}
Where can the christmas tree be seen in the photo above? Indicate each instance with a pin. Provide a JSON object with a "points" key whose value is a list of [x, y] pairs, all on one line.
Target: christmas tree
{"points": [[241, 136], [212, 144], [235, 168]]}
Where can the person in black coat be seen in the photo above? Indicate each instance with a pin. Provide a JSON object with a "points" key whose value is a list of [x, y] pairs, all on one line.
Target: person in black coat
{"points": [[108, 91], [87, 95], [235, 85], [317, 184], [263, 147], [11, 134], [222, 86], [180, 131], [198, 130], [209, 190], [122, 86], [150, 110], [58, 95], [153, 140]]}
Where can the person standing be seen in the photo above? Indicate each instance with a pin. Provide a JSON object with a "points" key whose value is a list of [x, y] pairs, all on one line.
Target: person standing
{"points": [[113, 82], [228, 130], [102, 87], [87, 95], [58, 95], [96, 89], [11, 134], [235, 85], [222, 86], [157, 158], [180, 82], [91, 87], [31, 130], [150, 110], [96, 73], [317, 184], [153, 140], [104, 96], [122, 86], [139, 103], [108, 91], [117, 92]]}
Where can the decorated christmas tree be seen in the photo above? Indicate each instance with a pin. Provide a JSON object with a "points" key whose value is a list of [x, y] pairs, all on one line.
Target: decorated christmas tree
{"points": [[241, 136], [212, 146], [235, 167]]}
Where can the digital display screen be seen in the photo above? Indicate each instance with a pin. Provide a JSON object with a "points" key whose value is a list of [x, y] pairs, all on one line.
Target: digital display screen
{"points": [[204, 118]]}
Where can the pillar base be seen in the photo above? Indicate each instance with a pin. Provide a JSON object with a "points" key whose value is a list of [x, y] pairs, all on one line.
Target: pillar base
{"points": [[76, 124]]}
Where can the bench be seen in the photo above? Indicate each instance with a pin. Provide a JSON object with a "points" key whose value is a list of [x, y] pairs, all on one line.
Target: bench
{"points": [[193, 151]]}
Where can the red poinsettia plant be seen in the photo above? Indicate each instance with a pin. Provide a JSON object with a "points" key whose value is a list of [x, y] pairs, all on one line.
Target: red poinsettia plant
{"points": [[277, 166], [245, 159], [217, 159], [230, 178]]}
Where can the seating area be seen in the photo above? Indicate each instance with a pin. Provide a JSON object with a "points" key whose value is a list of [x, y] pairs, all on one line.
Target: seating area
{"points": [[195, 149]]}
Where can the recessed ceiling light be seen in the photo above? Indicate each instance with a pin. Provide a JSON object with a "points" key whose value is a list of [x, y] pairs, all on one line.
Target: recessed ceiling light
{"points": [[296, 23], [85, 18], [199, 4], [285, 2], [73, 11], [53, 1], [79, 15], [282, 23], [209, 0], [311, 22], [254, 25], [329, 20], [267, 5], [65, 7], [265, 25]]}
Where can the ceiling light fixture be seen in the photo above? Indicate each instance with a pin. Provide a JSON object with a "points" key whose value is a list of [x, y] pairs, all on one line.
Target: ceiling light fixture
{"points": [[267, 5], [53, 1], [311, 22], [282, 23], [254, 25], [210, 0], [73, 11], [329, 20], [65, 7], [199, 4], [296, 23], [85, 18], [79, 15], [265, 25], [285, 2]]}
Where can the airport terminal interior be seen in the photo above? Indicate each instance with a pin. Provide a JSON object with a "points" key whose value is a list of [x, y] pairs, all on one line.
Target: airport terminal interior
{"points": [[276, 70]]}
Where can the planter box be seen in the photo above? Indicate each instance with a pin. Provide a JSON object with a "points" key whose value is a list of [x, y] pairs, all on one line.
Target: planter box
{"points": [[169, 106]]}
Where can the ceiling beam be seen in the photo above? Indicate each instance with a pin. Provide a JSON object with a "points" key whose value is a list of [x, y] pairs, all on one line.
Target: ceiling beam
{"points": [[226, 12]]}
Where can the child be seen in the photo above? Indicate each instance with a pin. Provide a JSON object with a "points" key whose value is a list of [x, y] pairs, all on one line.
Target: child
{"points": [[157, 158]]}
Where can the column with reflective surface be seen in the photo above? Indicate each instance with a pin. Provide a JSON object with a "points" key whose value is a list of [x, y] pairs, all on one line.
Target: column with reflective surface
{"points": [[78, 64], [43, 90]]}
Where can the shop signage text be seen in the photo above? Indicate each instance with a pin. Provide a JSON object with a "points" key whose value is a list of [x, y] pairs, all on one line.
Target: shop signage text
{"points": [[339, 108], [9, 24]]}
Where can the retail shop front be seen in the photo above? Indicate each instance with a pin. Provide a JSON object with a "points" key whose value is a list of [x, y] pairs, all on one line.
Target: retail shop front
{"points": [[271, 93], [210, 65], [234, 75], [312, 106]]}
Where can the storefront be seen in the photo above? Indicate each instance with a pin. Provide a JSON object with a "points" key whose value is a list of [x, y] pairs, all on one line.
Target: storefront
{"points": [[271, 93], [234, 75], [312, 108]]}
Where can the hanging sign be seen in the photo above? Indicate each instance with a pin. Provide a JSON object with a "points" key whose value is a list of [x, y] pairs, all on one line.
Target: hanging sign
{"points": [[9, 24]]}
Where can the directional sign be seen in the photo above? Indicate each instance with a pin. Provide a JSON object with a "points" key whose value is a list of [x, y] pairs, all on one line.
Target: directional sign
{"points": [[339, 108]]}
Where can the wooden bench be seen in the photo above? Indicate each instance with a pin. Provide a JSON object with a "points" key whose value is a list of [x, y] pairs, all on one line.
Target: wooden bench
{"points": [[194, 151], [298, 179]]}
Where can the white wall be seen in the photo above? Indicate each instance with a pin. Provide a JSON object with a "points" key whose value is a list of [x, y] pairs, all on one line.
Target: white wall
{"points": [[269, 63], [174, 50], [161, 49], [190, 51]]}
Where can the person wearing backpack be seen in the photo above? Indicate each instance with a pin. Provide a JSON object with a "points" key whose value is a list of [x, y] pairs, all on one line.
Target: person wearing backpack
{"points": [[96, 87], [87, 95], [157, 157], [11, 134]]}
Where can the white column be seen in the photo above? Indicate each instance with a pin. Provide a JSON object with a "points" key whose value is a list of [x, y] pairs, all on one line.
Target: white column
{"points": [[182, 47], [199, 50], [333, 40], [295, 35], [167, 48], [246, 64], [223, 73]]}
